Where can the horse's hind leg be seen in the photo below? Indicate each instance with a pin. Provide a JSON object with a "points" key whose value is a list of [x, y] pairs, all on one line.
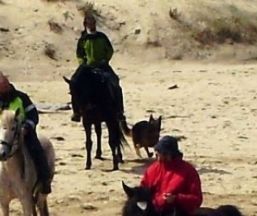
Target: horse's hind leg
{"points": [[42, 205], [27, 205], [120, 157], [5, 208], [46, 212], [89, 144], [34, 210], [114, 142], [98, 131]]}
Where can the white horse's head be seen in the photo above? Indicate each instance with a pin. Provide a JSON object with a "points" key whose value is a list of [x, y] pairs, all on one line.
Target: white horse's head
{"points": [[9, 133]]}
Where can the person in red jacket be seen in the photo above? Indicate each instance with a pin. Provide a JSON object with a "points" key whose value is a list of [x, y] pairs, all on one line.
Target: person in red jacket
{"points": [[175, 183]]}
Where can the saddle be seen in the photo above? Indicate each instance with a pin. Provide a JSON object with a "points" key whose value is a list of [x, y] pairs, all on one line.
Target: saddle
{"points": [[92, 82], [106, 77]]}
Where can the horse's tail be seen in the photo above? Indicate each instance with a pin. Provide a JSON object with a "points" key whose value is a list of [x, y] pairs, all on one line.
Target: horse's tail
{"points": [[121, 134], [125, 128], [227, 210]]}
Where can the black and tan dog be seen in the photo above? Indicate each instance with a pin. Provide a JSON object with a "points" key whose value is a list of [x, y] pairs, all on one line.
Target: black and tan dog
{"points": [[144, 134]]}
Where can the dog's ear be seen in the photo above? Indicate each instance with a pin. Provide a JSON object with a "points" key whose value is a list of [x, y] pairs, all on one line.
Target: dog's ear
{"points": [[151, 118], [159, 122], [128, 190]]}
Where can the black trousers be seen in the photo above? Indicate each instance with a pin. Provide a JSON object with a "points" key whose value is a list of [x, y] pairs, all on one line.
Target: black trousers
{"points": [[38, 155]]}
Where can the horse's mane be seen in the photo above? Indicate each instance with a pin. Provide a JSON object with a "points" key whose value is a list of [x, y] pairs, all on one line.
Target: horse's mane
{"points": [[226, 210], [92, 90], [136, 196]]}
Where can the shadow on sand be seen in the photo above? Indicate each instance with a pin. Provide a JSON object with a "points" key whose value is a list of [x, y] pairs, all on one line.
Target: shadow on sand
{"points": [[138, 166]]}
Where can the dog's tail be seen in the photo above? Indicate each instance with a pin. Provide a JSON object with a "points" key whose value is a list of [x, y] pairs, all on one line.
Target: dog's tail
{"points": [[125, 128]]}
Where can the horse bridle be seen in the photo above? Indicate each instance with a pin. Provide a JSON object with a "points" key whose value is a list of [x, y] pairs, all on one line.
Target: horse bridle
{"points": [[12, 143]]}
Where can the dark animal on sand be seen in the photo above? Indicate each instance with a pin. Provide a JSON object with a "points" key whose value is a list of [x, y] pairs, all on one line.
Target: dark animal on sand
{"points": [[144, 134], [226, 210], [96, 106], [139, 203]]}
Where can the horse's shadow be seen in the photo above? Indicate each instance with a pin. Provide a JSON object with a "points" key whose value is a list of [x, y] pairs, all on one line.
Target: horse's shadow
{"points": [[145, 163], [140, 168], [204, 170]]}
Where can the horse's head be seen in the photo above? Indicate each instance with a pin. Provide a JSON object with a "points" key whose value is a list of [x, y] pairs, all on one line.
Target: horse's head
{"points": [[139, 201], [69, 82], [9, 133]]}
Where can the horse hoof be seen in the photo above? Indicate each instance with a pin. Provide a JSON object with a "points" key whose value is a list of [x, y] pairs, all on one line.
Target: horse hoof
{"points": [[115, 168], [99, 157], [87, 167], [121, 160]]}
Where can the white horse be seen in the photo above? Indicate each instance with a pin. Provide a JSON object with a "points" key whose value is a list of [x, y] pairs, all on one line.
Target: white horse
{"points": [[18, 177]]}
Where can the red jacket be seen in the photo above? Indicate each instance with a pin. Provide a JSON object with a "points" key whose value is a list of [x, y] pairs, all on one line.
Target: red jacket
{"points": [[177, 177]]}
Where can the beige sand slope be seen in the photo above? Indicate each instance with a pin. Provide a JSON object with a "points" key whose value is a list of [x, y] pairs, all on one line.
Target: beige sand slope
{"points": [[214, 106]]}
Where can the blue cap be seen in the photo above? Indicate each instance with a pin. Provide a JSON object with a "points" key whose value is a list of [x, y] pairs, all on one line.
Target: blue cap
{"points": [[168, 145]]}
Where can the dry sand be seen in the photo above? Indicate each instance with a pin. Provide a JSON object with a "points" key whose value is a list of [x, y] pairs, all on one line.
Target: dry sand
{"points": [[214, 106]]}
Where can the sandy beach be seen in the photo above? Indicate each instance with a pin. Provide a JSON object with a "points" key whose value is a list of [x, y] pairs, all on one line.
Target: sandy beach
{"points": [[214, 107]]}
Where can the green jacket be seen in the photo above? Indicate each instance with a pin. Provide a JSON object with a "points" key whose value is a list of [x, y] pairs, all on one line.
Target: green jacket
{"points": [[94, 49], [19, 100], [16, 104]]}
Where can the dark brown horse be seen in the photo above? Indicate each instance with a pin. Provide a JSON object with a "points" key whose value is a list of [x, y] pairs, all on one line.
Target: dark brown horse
{"points": [[94, 98], [139, 203]]}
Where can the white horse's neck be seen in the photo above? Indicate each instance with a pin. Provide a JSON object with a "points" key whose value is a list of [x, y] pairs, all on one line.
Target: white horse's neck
{"points": [[14, 166], [17, 180], [19, 168]]}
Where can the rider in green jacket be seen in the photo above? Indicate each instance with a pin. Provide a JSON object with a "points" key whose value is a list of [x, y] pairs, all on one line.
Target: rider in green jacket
{"points": [[95, 50], [13, 99]]}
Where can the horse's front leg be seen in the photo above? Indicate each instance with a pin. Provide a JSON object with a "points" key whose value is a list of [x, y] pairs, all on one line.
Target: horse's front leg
{"points": [[89, 144], [98, 130], [5, 208]]}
